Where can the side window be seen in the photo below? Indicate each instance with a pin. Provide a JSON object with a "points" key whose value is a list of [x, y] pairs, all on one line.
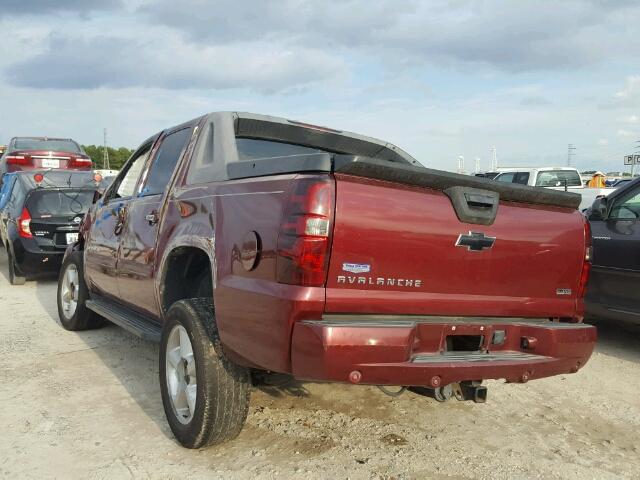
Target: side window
{"points": [[204, 167], [165, 162], [506, 177], [16, 199], [522, 178], [5, 192], [125, 183], [627, 207]]}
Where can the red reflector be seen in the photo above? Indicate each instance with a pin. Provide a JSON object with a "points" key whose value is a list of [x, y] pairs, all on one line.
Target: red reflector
{"points": [[23, 223], [38, 178], [588, 256], [304, 239]]}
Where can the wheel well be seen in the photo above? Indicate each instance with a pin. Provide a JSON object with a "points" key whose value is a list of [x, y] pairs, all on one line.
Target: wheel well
{"points": [[187, 274]]}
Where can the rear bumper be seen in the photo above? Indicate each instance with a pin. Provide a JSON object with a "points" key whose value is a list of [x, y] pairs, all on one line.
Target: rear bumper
{"points": [[32, 262], [412, 350]]}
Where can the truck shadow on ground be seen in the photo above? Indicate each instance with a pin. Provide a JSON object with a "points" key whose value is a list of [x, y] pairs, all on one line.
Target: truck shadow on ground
{"points": [[131, 360], [279, 385], [134, 362]]}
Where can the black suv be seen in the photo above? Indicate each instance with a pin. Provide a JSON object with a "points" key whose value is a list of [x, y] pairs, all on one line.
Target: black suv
{"points": [[40, 214]]}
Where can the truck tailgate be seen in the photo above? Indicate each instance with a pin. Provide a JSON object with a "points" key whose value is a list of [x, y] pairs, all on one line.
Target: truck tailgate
{"points": [[401, 249]]}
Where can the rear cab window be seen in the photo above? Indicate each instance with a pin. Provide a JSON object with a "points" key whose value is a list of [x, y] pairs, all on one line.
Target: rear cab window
{"points": [[60, 145], [557, 178], [252, 149], [514, 177]]}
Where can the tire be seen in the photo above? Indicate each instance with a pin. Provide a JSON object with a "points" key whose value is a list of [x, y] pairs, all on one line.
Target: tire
{"points": [[219, 408], [14, 278], [75, 317]]}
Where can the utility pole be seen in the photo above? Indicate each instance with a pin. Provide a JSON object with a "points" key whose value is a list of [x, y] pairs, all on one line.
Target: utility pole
{"points": [[570, 154], [494, 159], [460, 164], [477, 165], [105, 153], [633, 160]]}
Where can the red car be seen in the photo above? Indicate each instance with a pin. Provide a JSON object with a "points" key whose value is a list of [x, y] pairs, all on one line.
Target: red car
{"points": [[27, 153], [244, 242]]}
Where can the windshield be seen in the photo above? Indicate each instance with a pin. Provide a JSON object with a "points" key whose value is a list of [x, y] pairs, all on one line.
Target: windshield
{"points": [[557, 178], [59, 203], [46, 144]]}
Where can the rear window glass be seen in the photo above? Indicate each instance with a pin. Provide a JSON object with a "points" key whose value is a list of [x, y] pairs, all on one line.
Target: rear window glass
{"points": [[58, 203], [251, 149], [43, 144], [557, 178]]}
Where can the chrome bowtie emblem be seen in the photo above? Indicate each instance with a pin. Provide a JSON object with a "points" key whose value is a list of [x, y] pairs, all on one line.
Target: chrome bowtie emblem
{"points": [[475, 241]]}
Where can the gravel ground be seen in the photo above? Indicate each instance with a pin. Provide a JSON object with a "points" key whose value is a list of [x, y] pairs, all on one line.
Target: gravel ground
{"points": [[87, 405]]}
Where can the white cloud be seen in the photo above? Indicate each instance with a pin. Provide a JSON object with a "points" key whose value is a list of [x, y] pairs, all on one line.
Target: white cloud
{"points": [[90, 63], [631, 89], [603, 142], [625, 133]]}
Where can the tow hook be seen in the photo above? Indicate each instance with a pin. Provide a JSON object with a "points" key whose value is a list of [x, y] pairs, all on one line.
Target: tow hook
{"points": [[471, 390]]}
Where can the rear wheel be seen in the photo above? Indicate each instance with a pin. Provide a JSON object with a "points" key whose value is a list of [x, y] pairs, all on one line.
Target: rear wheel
{"points": [[72, 295], [205, 395], [14, 277]]}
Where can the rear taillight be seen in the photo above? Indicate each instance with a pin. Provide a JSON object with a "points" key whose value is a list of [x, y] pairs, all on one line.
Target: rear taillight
{"points": [[24, 224], [80, 162], [588, 256], [19, 160], [305, 233]]}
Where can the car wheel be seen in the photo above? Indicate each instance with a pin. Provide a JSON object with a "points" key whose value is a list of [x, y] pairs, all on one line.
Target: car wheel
{"points": [[14, 277], [205, 395], [72, 295]]}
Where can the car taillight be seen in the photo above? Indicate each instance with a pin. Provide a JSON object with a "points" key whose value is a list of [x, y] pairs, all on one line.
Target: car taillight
{"points": [[19, 160], [588, 257], [305, 233], [80, 162], [24, 224]]}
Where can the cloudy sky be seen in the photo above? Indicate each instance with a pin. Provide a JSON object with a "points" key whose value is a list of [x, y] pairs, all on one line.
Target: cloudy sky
{"points": [[438, 78]]}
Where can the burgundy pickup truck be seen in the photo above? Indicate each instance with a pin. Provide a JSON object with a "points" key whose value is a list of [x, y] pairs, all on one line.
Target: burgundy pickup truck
{"points": [[248, 243]]}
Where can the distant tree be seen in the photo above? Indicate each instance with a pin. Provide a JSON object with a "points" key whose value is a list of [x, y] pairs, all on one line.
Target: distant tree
{"points": [[116, 157], [588, 172]]}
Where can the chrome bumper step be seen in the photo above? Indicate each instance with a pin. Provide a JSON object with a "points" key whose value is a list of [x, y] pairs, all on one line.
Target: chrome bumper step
{"points": [[477, 357]]}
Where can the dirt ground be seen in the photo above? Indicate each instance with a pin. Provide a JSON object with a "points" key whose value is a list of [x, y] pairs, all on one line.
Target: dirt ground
{"points": [[87, 405]]}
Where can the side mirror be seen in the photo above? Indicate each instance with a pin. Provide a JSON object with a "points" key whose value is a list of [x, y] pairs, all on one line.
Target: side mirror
{"points": [[598, 209]]}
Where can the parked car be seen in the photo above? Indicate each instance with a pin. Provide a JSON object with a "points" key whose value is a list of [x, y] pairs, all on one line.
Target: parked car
{"points": [[40, 213], [615, 279], [557, 178], [621, 182], [242, 241], [28, 153]]}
